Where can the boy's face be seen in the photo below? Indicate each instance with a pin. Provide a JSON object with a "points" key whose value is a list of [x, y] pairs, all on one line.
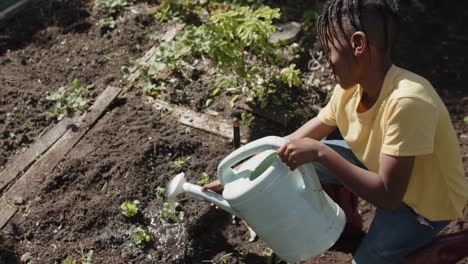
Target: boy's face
{"points": [[345, 66]]}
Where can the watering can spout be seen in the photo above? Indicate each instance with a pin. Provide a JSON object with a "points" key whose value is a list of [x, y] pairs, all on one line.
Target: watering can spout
{"points": [[179, 185], [209, 195]]}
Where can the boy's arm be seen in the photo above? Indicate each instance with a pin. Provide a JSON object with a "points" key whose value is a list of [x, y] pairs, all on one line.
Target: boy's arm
{"points": [[384, 189], [314, 129]]}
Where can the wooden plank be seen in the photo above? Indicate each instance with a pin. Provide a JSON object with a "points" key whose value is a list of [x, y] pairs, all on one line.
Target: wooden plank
{"points": [[205, 122], [10, 11], [24, 160], [30, 182]]}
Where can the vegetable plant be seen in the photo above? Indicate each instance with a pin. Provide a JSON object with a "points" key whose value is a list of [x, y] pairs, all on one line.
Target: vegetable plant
{"points": [[205, 178], [69, 260], [68, 100], [112, 9], [246, 119], [179, 163], [236, 40], [168, 212], [140, 236], [130, 209], [87, 258], [159, 192], [290, 75]]}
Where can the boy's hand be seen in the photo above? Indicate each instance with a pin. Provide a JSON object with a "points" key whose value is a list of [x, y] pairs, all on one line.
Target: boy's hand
{"points": [[215, 186], [296, 152]]}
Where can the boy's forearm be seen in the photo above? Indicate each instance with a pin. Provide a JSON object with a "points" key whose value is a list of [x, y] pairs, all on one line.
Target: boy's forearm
{"points": [[314, 129], [364, 183]]}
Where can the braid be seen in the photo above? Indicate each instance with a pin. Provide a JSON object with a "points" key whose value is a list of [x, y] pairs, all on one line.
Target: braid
{"points": [[343, 17]]}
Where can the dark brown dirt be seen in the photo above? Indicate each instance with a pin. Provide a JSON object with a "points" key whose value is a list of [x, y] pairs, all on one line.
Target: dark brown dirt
{"points": [[126, 154]]}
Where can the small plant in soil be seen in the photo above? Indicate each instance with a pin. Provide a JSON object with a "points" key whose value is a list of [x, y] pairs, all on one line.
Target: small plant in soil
{"points": [[86, 259], [68, 100], [168, 212], [130, 209], [291, 75], [246, 119], [466, 119], [159, 192], [140, 236], [205, 178], [69, 260], [179, 163]]}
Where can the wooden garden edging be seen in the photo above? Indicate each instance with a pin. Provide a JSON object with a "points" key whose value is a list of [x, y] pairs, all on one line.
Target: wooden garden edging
{"points": [[205, 122], [19, 165], [30, 182]]}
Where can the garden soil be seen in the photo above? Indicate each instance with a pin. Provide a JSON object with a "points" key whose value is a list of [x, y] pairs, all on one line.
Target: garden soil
{"points": [[125, 156]]}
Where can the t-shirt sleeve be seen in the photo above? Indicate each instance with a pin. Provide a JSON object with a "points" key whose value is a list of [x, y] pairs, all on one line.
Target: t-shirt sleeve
{"points": [[410, 126], [328, 114]]}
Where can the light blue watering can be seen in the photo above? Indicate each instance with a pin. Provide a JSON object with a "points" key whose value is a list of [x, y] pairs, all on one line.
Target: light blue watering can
{"points": [[287, 209]]}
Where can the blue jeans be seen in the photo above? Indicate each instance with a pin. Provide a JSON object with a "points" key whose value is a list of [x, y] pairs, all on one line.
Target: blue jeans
{"points": [[392, 234]]}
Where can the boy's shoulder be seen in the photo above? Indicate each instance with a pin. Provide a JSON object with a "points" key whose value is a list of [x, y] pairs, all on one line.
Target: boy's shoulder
{"points": [[407, 84]]}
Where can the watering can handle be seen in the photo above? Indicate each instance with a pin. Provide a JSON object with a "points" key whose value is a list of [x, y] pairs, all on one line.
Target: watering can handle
{"points": [[226, 173]]}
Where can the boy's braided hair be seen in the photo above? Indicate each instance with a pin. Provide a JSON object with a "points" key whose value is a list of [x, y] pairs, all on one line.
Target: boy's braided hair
{"points": [[377, 18]]}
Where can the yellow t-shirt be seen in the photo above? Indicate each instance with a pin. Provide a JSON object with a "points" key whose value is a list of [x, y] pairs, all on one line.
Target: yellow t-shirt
{"points": [[408, 119]]}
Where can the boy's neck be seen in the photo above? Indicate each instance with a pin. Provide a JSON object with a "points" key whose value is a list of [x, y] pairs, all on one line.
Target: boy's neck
{"points": [[372, 82]]}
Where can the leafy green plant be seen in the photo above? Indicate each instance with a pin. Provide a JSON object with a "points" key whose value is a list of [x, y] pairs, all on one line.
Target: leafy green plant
{"points": [[236, 39], [179, 163], [159, 192], [230, 33], [246, 119], [87, 259], [112, 9], [205, 179], [130, 209], [290, 75], [106, 23], [168, 212], [140, 236], [465, 120], [69, 260], [68, 100]]}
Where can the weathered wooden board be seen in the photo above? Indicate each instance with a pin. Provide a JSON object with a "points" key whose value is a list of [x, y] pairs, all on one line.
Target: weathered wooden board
{"points": [[205, 122], [21, 163], [30, 182]]}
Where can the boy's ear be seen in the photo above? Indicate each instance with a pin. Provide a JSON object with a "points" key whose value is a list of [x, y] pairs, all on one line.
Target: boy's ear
{"points": [[359, 43]]}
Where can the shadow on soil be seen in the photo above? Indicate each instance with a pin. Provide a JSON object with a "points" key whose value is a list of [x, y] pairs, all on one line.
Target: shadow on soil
{"points": [[19, 30]]}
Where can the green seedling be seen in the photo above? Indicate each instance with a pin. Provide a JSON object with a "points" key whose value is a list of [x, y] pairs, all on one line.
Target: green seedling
{"points": [[290, 75], [69, 260], [87, 259], [159, 192], [140, 236], [179, 163], [130, 209], [246, 119], [169, 213], [205, 179], [68, 100]]}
